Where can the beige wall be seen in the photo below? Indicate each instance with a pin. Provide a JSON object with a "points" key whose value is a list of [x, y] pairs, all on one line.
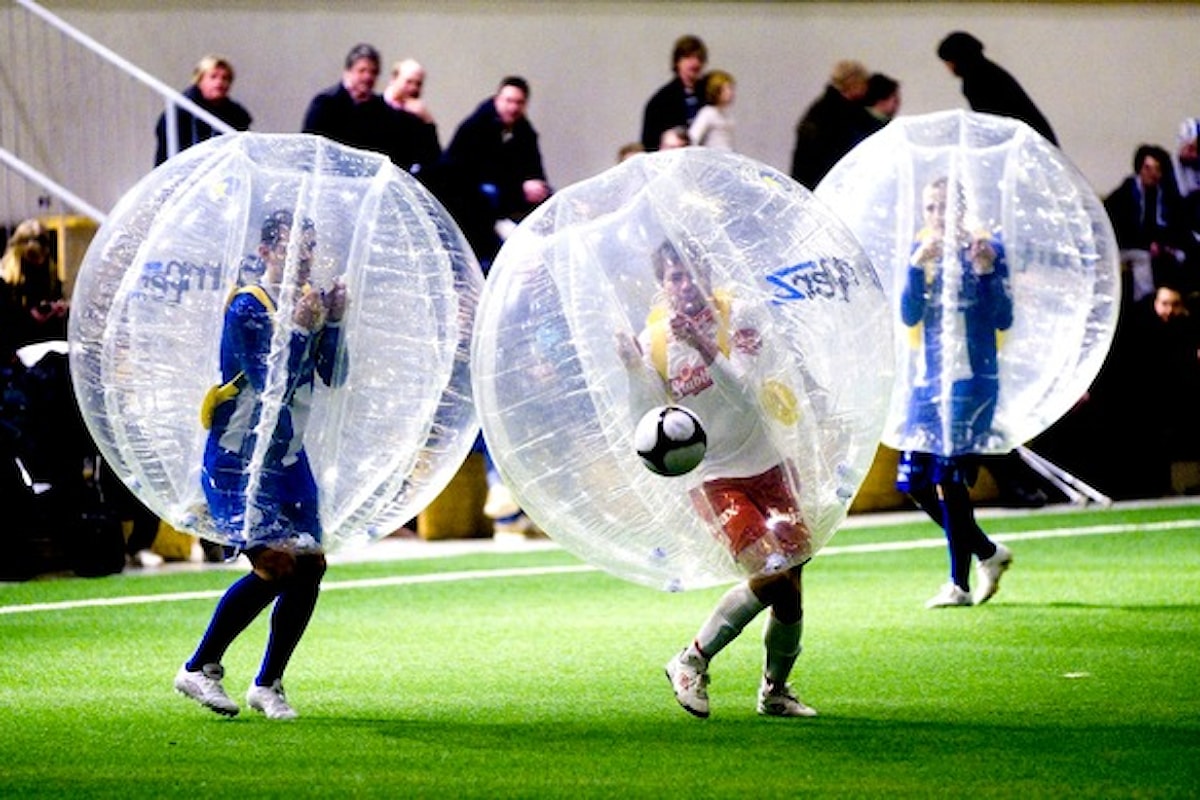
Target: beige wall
{"points": [[1108, 75]]}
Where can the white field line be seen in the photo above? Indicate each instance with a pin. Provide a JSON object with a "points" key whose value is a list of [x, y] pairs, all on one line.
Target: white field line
{"points": [[518, 572]]}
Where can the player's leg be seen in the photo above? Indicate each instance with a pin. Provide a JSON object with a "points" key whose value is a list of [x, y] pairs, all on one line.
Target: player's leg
{"points": [[293, 611], [688, 671], [958, 524], [297, 566], [200, 676], [781, 639]]}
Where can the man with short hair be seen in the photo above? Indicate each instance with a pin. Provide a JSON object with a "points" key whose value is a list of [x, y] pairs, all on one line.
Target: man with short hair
{"points": [[493, 169], [352, 113]]}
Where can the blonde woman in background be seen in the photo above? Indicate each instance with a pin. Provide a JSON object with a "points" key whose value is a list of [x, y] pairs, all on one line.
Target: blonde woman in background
{"points": [[34, 307], [212, 79]]}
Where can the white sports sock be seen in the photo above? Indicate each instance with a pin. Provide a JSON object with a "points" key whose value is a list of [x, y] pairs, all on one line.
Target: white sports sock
{"points": [[782, 641], [733, 613]]}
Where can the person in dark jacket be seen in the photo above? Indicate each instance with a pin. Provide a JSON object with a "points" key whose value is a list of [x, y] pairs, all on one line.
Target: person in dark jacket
{"points": [[352, 113], [491, 172], [1146, 210], [988, 87], [209, 89], [677, 101], [832, 125]]}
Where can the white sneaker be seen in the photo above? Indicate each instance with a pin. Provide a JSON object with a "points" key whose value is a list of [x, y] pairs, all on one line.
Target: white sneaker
{"points": [[500, 503], [949, 596], [778, 700], [147, 559], [204, 686], [988, 572], [690, 684], [270, 700]]}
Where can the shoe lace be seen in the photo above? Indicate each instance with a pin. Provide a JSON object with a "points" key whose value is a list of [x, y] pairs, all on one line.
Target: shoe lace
{"points": [[274, 695], [780, 692], [693, 679], [213, 672]]}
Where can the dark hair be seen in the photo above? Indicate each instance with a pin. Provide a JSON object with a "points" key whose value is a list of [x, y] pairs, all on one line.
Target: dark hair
{"points": [[277, 222], [688, 45], [663, 255], [960, 47], [361, 51], [667, 253], [1145, 151], [515, 81], [879, 87]]}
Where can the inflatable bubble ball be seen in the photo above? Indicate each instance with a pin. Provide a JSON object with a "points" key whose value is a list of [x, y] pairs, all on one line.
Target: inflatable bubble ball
{"points": [[270, 338], [1002, 270], [696, 278]]}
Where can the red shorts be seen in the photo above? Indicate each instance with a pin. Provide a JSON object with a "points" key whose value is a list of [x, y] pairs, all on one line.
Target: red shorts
{"points": [[755, 513]]}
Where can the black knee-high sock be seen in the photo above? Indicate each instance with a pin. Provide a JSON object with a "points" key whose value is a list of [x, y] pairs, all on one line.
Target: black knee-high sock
{"points": [[967, 529], [939, 511], [927, 500], [958, 520], [288, 622], [243, 601]]}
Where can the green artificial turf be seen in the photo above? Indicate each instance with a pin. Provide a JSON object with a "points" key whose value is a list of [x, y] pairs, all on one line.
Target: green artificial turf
{"points": [[1079, 680]]}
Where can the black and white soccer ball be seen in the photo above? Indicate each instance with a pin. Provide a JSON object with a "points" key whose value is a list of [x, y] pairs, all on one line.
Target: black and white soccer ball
{"points": [[670, 440]]}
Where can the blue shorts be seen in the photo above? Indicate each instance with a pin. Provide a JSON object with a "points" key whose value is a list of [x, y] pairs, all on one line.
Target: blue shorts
{"points": [[283, 507], [920, 471]]}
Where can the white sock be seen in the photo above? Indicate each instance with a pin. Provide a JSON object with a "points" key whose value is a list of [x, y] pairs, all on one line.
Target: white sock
{"points": [[733, 613], [782, 641]]}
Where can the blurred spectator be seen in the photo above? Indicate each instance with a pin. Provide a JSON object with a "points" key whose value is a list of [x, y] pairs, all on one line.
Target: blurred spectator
{"points": [[629, 150], [832, 124], [403, 94], [404, 90], [1187, 175], [1148, 220], [714, 124], [34, 307], [493, 169], [988, 87], [1146, 396], [679, 100], [882, 102], [33, 311], [211, 81], [353, 114], [673, 138]]}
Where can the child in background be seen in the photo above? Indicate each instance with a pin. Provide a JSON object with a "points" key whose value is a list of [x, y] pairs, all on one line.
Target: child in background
{"points": [[714, 123]]}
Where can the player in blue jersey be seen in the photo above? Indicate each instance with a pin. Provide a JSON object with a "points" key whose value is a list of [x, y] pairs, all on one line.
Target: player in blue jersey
{"points": [[955, 304], [262, 494]]}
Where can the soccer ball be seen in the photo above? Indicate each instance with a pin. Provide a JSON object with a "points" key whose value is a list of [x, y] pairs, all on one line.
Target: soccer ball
{"points": [[670, 440]]}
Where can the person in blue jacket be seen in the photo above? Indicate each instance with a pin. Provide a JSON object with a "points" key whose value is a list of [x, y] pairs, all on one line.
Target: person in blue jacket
{"points": [[955, 302], [262, 495]]}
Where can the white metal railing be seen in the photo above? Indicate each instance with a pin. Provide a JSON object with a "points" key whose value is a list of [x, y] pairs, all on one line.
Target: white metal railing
{"points": [[77, 122]]}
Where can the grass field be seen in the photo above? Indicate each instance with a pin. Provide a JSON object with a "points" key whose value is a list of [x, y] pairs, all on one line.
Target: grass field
{"points": [[1080, 679]]}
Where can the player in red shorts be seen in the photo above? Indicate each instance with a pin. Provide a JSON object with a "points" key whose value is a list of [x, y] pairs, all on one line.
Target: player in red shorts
{"points": [[702, 345]]}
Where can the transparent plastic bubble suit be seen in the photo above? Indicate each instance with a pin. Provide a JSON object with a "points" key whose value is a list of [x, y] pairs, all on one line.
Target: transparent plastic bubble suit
{"points": [[151, 297], [575, 284], [1018, 310]]}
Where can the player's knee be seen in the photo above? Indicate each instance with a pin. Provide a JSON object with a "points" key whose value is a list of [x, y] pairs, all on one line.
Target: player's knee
{"points": [[310, 568], [781, 593], [273, 564]]}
